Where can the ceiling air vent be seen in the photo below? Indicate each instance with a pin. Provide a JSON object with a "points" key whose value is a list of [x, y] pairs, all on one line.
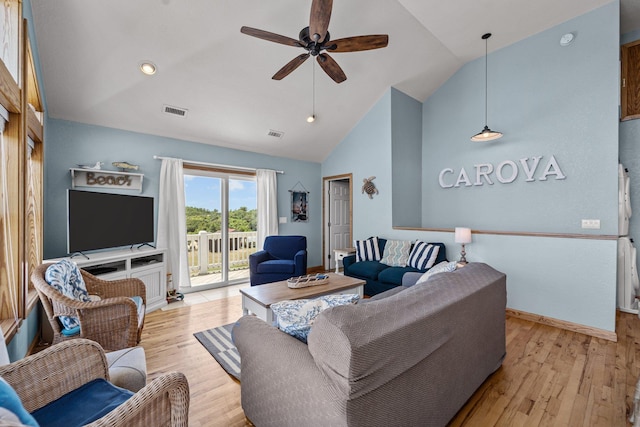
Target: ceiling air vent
{"points": [[275, 133], [176, 111]]}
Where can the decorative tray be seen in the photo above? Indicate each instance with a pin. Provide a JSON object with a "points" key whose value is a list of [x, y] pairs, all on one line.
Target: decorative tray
{"points": [[307, 280]]}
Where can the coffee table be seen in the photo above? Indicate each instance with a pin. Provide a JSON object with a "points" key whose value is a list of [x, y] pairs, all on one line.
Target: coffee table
{"points": [[258, 299]]}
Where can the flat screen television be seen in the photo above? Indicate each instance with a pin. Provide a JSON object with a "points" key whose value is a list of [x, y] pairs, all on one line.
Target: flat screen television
{"points": [[105, 220]]}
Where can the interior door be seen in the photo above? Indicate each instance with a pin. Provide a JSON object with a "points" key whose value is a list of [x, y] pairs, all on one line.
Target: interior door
{"points": [[339, 217]]}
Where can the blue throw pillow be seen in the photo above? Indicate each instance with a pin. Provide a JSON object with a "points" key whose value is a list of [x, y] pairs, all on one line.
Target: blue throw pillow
{"points": [[367, 250], [10, 400], [65, 277], [423, 255]]}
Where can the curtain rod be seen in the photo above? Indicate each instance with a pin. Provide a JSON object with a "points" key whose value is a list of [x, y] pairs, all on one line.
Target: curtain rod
{"points": [[213, 165]]}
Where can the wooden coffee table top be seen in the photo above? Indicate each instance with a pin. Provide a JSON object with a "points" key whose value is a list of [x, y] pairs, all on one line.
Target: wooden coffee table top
{"points": [[270, 293]]}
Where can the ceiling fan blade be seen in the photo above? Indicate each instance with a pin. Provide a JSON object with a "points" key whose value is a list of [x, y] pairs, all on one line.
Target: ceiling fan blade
{"points": [[272, 37], [358, 43], [290, 66], [332, 68], [319, 20]]}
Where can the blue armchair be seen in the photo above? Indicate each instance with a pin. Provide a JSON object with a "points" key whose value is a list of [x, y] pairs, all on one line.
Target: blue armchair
{"points": [[281, 258]]}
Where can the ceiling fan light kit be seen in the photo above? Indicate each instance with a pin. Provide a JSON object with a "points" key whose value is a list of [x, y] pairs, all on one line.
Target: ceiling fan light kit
{"points": [[316, 40], [486, 134]]}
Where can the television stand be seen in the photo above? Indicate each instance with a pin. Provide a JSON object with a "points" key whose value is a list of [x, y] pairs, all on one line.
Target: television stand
{"points": [[148, 265]]}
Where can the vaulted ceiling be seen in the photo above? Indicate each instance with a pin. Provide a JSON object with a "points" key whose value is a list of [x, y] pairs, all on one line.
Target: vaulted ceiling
{"points": [[90, 52]]}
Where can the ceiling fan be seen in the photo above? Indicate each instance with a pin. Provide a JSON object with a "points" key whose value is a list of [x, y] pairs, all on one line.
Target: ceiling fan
{"points": [[315, 39]]}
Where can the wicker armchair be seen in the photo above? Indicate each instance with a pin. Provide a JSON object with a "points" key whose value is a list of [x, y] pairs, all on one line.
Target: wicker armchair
{"points": [[46, 376], [113, 321]]}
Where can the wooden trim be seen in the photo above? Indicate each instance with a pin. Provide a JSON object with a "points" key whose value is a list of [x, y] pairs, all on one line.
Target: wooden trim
{"points": [[9, 328], [218, 170], [32, 301], [562, 324], [9, 90], [519, 233], [34, 127]]}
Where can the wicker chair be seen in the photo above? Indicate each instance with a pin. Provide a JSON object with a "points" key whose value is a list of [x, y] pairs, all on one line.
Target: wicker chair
{"points": [[46, 376], [113, 321]]}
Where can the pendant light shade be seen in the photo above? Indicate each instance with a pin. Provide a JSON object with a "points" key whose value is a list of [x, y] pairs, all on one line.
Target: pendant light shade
{"points": [[486, 134]]}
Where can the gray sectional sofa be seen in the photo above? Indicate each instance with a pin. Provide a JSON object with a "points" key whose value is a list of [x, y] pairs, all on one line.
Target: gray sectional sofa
{"points": [[411, 357]]}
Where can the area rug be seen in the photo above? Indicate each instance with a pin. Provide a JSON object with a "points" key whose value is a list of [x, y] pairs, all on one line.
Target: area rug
{"points": [[218, 342]]}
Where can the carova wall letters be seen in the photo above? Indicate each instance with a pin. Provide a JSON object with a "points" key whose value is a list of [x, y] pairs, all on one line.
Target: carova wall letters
{"points": [[505, 172]]}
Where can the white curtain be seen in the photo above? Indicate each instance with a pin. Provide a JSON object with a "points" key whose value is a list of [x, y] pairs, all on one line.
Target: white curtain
{"points": [[172, 225], [267, 192]]}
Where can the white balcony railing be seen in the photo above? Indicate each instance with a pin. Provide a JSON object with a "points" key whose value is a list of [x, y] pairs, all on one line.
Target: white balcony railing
{"points": [[204, 251]]}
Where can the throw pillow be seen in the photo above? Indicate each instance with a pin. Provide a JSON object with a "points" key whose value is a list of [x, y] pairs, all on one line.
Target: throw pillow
{"points": [[443, 267], [10, 400], [423, 255], [396, 253], [65, 277], [295, 317], [367, 250]]}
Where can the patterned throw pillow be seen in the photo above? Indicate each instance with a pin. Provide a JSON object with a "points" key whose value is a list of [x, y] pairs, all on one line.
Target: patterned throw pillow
{"points": [[396, 253], [296, 317], [423, 255], [367, 250], [443, 267], [65, 277]]}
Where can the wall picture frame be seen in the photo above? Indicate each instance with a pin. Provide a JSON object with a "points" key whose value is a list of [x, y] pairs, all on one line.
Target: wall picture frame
{"points": [[299, 206]]}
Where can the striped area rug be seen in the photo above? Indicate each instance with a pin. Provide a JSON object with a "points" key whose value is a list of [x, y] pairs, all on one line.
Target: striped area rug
{"points": [[218, 342]]}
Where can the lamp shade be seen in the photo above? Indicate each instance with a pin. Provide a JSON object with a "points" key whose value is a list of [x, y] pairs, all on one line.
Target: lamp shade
{"points": [[463, 235]]}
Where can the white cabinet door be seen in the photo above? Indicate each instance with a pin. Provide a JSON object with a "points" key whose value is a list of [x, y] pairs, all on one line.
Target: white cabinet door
{"points": [[155, 284]]}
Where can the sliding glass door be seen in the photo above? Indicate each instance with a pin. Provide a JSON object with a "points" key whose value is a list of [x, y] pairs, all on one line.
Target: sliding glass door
{"points": [[221, 220]]}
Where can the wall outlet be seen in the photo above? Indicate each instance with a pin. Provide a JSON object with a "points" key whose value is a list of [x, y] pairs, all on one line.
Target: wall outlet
{"points": [[591, 223]]}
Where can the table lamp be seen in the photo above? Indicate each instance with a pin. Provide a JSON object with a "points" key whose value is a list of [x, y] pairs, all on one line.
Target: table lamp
{"points": [[463, 236]]}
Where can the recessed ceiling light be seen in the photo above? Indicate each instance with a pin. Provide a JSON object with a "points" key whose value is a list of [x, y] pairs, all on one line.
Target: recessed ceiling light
{"points": [[148, 67]]}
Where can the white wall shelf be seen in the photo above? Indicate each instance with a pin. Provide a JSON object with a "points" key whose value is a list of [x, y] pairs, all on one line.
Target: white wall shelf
{"points": [[98, 178]]}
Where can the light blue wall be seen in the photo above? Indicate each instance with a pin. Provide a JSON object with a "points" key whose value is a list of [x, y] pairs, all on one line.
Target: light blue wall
{"points": [[629, 37], [406, 155], [366, 152], [70, 143], [22, 340], [548, 101]]}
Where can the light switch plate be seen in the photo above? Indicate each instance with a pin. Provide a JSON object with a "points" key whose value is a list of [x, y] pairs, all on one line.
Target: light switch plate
{"points": [[282, 220]]}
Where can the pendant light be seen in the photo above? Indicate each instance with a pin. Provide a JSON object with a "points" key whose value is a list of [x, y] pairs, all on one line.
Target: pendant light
{"points": [[486, 134]]}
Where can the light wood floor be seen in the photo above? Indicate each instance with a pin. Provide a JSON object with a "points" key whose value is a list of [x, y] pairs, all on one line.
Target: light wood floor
{"points": [[550, 377]]}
